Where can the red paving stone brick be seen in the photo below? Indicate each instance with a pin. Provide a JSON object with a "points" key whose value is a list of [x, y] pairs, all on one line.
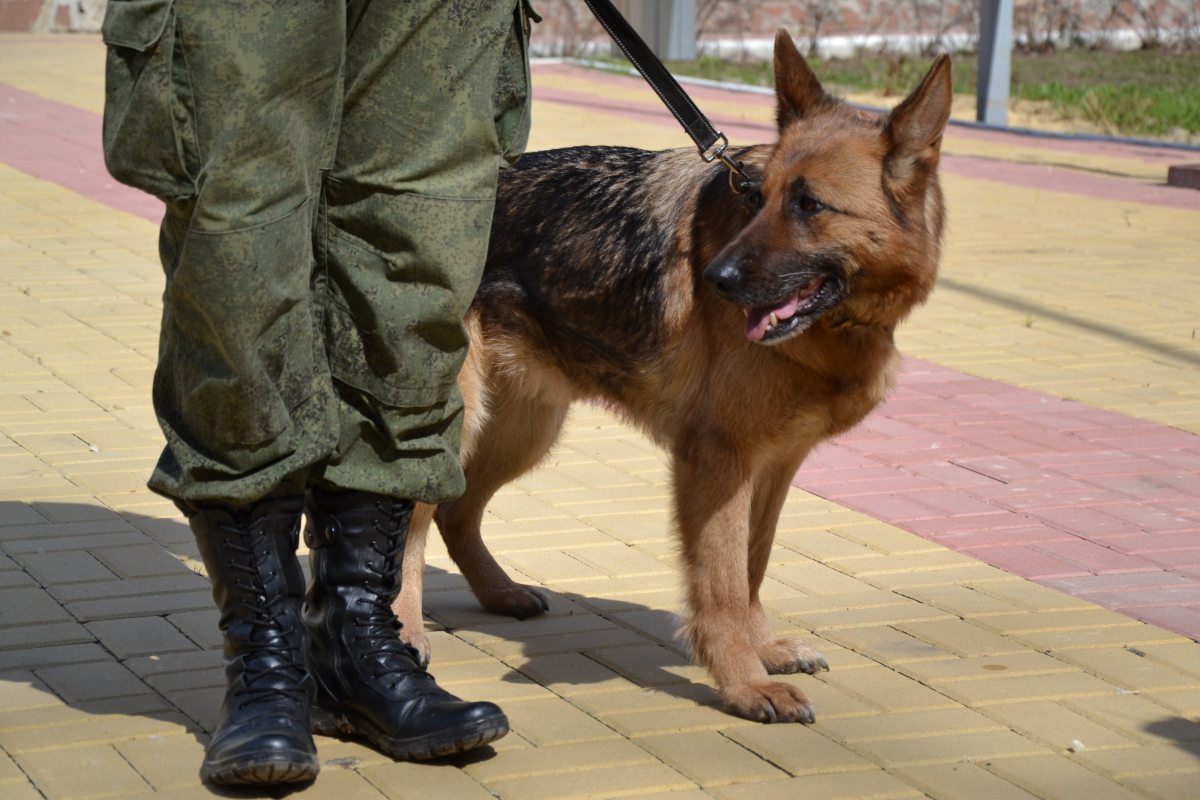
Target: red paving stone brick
{"points": [[1042, 487], [57, 142]]}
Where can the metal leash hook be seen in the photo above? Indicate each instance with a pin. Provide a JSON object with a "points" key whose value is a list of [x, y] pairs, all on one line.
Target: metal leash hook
{"points": [[739, 181], [694, 123]]}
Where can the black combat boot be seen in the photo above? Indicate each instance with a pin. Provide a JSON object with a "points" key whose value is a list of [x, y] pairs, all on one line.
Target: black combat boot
{"points": [[265, 734], [369, 683]]}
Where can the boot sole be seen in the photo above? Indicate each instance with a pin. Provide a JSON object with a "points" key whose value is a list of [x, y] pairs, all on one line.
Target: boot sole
{"points": [[421, 748], [273, 768]]}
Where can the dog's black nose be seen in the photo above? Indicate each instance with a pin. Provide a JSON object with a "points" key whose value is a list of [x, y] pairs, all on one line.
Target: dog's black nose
{"points": [[724, 275]]}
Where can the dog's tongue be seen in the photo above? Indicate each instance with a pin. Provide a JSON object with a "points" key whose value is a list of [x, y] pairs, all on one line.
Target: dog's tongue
{"points": [[758, 319]]}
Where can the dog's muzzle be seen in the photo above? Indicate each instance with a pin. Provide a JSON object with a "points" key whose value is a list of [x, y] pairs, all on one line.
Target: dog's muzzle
{"points": [[777, 307]]}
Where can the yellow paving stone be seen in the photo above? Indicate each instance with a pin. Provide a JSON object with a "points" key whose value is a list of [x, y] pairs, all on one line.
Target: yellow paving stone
{"points": [[452, 649], [887, 689], [886, 644], [954, 748], [1031, 596], [29, 606], [622, 560], [158, 760], [72, 567], [963, 601], [553, 759], [631, 528], [407, 780], [139, 636], [710, 759], [22, 790], [1057, 726], [852, 616], [1143, 719], [47, 730], [689, 717], [1019, 688], [554, 721], [592, 783], [987, 668], [660, 626], [798, 749], [94, 772], [937, 575], [865, 598], [959, 782], [572, 674], [886, 539], [600, 640], [550, 566], [555, 625], [961, 637], [650, 664], [9, 772], [1055, 777], [1184, 701], [1129, 670], [1135, 634], [831, 702], [811, 577], [139, 561], [1080, 619], [1130, 762], [865, 785], [638, 699], [596, 474], [684, 794], [911, 724], [1171, 786]]}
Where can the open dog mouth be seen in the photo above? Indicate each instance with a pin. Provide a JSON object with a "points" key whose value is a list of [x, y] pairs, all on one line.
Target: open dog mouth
{"points": [[773, 323]]}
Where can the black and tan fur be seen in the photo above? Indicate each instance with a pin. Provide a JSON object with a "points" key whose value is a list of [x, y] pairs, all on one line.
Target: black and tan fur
{"points": [[634, 279]]}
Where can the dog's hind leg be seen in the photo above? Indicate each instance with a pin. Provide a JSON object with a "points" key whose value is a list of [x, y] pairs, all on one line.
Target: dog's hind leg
{"points": [[518, 431], [780, 655]]}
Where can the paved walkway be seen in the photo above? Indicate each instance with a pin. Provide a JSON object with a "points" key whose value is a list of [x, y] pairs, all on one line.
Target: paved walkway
{"points": [[1002, 564]]}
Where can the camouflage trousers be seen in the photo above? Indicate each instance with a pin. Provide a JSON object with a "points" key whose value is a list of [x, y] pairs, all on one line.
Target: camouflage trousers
{"points": [[329, 170]]}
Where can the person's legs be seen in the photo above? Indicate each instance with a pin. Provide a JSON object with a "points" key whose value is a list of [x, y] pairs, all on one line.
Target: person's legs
{"points": [[432, 90], [225, 111], [427, 122]]}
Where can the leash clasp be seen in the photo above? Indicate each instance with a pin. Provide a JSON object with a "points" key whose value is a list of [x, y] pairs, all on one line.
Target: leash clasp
{"points": [[739, 181]]}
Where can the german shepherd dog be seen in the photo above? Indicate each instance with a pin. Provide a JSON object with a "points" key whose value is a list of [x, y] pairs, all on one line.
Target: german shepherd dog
{"points": [[737, 331]]}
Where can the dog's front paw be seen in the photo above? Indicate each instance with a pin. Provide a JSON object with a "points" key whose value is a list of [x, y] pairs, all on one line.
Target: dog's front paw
{"points": [[516, 600], [784, 656], [414, 636], [769, 702]]}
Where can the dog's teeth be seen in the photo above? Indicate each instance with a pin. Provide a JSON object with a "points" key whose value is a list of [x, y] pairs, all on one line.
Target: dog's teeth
{"points": [[772, 320]]}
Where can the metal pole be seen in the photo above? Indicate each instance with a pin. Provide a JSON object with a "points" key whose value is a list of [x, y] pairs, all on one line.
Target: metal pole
{"points": [[995, 61], [668, 26]]}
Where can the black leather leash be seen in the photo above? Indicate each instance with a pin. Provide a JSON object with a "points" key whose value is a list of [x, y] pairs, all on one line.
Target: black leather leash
{"points": [[711, 142]]}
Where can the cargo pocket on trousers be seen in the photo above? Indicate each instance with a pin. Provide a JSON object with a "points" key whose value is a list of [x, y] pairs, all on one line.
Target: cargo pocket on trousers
{"points": [[238, 352], [394, 322], [510, 98], [148, 125]]}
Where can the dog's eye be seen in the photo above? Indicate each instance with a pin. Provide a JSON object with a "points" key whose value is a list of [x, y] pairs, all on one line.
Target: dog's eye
{"points": [[806, 205], [753, 200]]}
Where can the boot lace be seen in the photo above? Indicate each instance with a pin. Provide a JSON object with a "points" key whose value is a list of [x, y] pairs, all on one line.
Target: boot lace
{"points": [[378, 633], [269, 661]]}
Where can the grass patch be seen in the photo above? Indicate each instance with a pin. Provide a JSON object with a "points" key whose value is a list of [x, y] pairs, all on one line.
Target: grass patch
{"points": [[1135, 93]]}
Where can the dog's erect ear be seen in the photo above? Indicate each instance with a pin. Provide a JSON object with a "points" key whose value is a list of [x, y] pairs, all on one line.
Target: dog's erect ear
{"points": [[798, 93], [914, 128]]}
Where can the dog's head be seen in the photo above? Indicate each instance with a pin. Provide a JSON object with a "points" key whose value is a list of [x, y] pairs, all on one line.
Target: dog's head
{"points": [[847, 220]]}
